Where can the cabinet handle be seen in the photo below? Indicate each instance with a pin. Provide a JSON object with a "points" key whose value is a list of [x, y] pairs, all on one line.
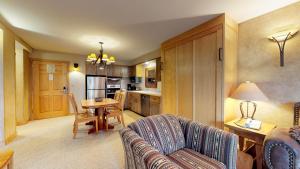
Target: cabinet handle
{"points": [[220, 54]]}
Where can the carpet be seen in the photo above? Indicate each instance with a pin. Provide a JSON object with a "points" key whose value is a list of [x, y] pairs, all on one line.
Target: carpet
{"points": [[48, 144]]}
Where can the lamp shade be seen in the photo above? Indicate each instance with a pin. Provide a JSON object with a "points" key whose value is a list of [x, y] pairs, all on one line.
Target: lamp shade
{"points": [[248, 91]]}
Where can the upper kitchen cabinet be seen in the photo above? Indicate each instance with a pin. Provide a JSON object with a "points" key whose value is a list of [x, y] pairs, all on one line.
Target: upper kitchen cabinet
{"points": [[150, 74], [199, 70], [158, 69], [92, 69], [136, 71], [112, 70]]}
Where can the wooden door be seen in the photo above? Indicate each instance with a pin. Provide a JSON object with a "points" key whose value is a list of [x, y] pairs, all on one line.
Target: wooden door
{"points": [[169, 89], [49, 98], [185, 79], [207, 76]]}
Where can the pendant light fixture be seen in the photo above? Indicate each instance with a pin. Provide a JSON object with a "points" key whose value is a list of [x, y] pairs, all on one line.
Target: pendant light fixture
{"points": [[102, 60]]}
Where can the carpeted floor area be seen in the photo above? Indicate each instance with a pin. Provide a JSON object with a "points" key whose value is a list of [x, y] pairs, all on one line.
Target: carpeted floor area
{"points": [[48, 144]]}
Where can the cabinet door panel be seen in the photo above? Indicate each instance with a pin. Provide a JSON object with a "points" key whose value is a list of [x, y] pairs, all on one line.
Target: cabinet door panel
{"points": [[205, 79], [90, 69], [169, 101], [185, 79]]}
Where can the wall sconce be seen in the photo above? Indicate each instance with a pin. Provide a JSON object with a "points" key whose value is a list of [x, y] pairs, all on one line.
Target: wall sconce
{"points": [[76, 67], [280, 38]]}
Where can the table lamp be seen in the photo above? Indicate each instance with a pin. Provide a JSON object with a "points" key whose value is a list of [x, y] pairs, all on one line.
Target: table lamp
{"points": [[248, 92]]}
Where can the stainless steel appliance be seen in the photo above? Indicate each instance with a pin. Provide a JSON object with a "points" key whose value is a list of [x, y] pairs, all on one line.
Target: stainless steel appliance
{"points": [[145, 105], [112, 85], [95, 87]]}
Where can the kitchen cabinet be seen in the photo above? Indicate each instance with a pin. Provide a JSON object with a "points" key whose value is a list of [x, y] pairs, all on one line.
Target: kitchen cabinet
{"points": [[144, 104], [125, 71], [136, 71], [90, 69], [158, 69], [134, 102], [94, 70], [111, 70], [154, 105], [203, 62]]}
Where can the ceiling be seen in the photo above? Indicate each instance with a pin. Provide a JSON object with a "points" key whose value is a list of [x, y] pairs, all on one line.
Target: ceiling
{"points": [[129, 28]]}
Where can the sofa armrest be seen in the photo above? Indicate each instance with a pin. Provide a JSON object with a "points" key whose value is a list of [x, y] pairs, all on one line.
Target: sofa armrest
{"points": [[281, 151], [141, 155], [212, 142]]}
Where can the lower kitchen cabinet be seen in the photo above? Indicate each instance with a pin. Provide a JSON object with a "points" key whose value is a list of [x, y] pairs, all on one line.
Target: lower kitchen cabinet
{"points": [[154, 105], [134, 102], [143, 104]]}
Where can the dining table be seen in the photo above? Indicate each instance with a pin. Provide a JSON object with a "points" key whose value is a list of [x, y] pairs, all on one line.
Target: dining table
{"points": [[99, 107]]}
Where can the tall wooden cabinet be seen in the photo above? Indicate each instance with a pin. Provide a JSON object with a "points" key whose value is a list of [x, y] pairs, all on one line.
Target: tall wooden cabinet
{"points": [[199, 71]]}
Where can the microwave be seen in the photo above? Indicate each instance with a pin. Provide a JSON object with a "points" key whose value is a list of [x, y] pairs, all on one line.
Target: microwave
{"points": [[136, 79]]}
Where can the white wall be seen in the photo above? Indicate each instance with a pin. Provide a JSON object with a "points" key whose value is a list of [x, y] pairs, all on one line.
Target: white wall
{"points": [[76, 78], [1, 90]]}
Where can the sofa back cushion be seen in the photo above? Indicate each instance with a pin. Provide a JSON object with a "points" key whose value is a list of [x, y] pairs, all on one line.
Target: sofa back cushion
{"points": [[161, 131]]}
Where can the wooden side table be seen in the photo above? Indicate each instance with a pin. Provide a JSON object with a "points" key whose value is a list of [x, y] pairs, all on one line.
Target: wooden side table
{"points": [[6, 159], [257, 136]]}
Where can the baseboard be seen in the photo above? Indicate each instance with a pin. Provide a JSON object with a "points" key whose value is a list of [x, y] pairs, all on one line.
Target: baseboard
{"points": [[10, 138], [22, 123]]}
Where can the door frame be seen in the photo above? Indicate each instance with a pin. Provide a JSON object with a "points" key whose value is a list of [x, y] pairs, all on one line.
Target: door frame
{"points": [[32, 85]]}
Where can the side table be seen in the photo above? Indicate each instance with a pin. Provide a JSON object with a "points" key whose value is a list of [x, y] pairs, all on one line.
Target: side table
{"points": [[257, 136]]}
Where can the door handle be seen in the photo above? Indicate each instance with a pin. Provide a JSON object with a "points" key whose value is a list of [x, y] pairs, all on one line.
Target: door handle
{"points": [[65, 90], [220, 54]]}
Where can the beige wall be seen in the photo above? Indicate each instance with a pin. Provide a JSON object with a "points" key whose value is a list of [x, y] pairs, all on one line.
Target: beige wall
{"points": [[76, 78], [9, 82], [259, 62]]}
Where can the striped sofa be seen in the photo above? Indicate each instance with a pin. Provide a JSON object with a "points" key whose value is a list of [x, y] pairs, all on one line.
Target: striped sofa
{"points": [[170, 142]]}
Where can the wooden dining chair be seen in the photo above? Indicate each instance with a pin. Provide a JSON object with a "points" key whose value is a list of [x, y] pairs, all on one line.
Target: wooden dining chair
{"points": [[117, 111], [116, 97], [81, 117], [6, 159]]}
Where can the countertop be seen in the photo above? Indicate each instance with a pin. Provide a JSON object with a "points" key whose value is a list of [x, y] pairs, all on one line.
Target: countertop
{"points": [[152, 93]]}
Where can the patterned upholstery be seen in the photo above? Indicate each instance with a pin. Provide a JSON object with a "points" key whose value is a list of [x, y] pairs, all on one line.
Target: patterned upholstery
{"points": [[212, 142], [162, 131], [141, 155], [169, 142], [187, 158]]}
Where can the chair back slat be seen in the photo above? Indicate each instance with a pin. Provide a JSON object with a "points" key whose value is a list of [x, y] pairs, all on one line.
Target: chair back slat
{"points": [[122, 100], [74, 104], [117, 95]]}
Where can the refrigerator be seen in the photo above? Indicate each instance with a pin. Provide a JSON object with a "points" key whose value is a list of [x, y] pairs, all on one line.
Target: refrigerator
{"points": [[95, 87]]}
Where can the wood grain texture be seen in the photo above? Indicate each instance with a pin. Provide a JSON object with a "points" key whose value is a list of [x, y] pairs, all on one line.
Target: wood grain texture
{"points": [[185, 79], [169, 82], [19, 86], [9, 77], [23, 88], [230, 66], [9, 87], [48, 97], [205, 79], [206, 68]]}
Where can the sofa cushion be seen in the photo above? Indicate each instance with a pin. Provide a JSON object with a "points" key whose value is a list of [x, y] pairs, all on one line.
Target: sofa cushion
{"points": [[161, 131], [190, 159]]}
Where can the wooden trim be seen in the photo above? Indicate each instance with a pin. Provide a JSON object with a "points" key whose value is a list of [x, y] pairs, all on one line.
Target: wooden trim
{"points": [[33, 61], [49, 60], [198, 30], [10, 138]]}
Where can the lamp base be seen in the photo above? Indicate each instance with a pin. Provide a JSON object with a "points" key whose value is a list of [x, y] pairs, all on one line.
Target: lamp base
{"points": [[247, 114]]}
